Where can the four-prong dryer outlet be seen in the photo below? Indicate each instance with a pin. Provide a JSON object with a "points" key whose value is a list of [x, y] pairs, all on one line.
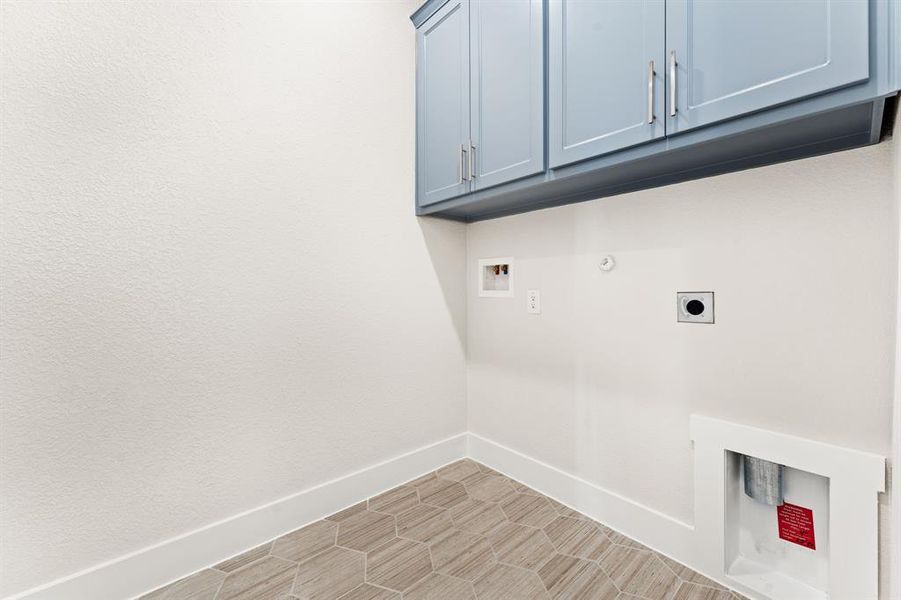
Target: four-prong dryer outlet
{"points": [[694, 307]]}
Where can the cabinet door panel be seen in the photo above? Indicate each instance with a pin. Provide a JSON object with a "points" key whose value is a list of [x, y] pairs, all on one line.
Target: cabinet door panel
{"points": [[599, 75], [741, 56], [507, 42], [442, 103]]}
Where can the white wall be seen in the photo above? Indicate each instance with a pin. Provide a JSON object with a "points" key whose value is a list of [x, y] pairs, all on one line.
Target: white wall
{"points": [[895, 510], [215, 292], [802, 258]]}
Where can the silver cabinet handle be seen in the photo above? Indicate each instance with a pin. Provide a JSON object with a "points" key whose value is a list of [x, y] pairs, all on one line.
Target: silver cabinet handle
{"points": [[462, 163], [472, 158], [672, 83], [650, 92]]}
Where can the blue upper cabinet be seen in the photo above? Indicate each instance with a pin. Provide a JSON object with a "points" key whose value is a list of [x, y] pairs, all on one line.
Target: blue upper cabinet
{"points": [[726, 59], [442, 104], [507, 41], [479, 96], [526, 104], [606, 76]]}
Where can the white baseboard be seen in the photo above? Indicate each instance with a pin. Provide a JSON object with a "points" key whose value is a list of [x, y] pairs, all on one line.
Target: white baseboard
{"points": [[694, 546], [652, 528], [155, 566], [147, 569]]}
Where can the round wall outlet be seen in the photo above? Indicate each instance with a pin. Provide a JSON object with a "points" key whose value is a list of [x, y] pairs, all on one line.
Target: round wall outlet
{"points": [[694, 307]]}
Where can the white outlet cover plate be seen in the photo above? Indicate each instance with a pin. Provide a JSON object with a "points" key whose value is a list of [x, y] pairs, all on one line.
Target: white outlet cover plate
{"points": [[682, 313], [533, 302]]}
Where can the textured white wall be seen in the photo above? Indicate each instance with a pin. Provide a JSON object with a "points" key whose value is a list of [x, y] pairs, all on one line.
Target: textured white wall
{"points": [[802, 257], [215, 292]]}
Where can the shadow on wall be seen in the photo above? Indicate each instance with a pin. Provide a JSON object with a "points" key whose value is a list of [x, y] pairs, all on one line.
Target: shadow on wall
{"points": [[444, 240]]}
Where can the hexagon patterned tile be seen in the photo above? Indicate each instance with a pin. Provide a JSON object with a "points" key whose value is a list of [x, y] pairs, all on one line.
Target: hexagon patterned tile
{"points": [[395, 501], [305, 543], [475, 516], [330, 574], [366, 530], [520, 545], [424, 523], [577, 537], [464, 532], [398, 565]]}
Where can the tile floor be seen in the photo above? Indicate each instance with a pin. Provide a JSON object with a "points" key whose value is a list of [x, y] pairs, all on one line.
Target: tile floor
{"points": [[464, 532]]}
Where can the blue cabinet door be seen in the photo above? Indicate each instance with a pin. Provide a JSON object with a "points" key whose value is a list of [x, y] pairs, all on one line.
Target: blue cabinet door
{"points": [[605, 76], [728, 58], [442, 104], [507, 49]]}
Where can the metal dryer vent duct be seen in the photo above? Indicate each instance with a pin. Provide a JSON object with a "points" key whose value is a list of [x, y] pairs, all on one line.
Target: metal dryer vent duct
{"points": [[763, 480]]}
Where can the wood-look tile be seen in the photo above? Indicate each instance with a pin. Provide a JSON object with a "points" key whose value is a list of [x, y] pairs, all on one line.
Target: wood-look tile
{"points": [[571, 578], [487, 470], [577, 538], [330, 574], [639, 572], [523, 489], [462, 555], [440, 587], [459, 470], [202, 585], [398, 564], [347, 512], [269, 578], [467, 532], [422, 479], [306, 542], [619, 538], [489, 488], [689, 575], [503, 582], [370, 592], [693, 591], [365, 531], [526, 509], [565, 511], [521, 546], [395, 501], [475, 516], [424, 523], [245, 558], [442, 493]]}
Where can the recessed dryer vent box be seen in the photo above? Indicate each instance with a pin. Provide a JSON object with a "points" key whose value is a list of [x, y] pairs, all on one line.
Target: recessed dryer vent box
{"points": [[496, 277], [777, 555], [822, 543]]}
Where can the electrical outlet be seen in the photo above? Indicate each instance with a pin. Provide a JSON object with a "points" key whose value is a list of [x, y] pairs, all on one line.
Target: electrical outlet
{"points": [[694, 307], [533, 302]]}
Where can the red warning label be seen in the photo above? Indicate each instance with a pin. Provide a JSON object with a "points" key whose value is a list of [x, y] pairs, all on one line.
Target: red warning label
{"points": [[796, 525]]}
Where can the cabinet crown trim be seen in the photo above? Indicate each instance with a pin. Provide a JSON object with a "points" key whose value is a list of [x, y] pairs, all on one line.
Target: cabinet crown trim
{"points": [[425, 11]]}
